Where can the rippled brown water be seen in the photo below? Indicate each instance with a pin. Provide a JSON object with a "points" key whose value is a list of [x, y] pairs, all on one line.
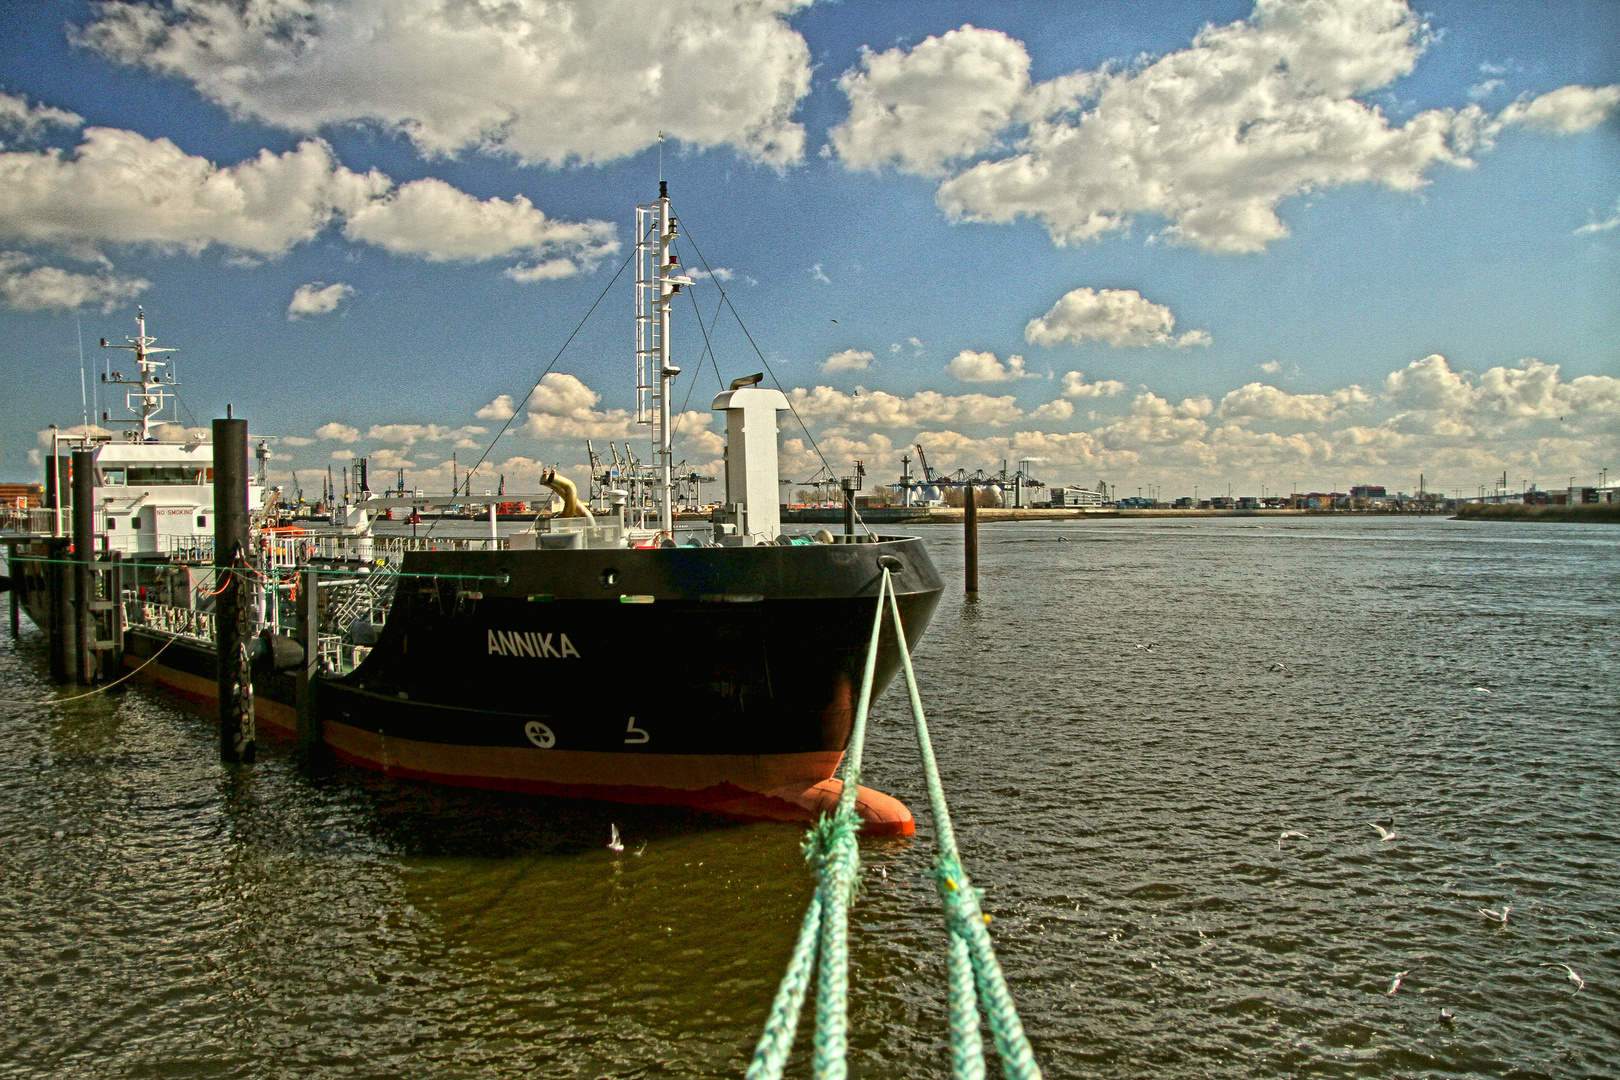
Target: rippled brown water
{"points": [[163, 916]]}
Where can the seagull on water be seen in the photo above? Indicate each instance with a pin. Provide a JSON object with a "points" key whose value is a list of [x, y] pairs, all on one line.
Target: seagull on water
{"points": [[1499, 916], [1395, 983], [1447, 1016], [1384, 835], [1291, 834], [614, 843], [1580, 983]]}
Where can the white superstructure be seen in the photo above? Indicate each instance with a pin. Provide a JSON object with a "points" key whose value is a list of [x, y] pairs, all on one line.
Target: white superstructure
{"points": [[154, 485]]}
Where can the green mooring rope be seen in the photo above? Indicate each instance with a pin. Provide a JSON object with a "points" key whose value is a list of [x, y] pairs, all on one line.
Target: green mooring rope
{"points": [[831, 848]]}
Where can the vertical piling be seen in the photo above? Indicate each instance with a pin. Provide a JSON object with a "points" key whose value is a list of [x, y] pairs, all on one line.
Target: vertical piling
{"points": [[237, 737], [970, 541], [84, 555], [16, 588], [309, 630], [849, 484], [120, 617], [58, 611]]}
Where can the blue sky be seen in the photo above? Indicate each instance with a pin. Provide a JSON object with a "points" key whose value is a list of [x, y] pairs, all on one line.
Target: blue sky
{"points": [[1292, 244]]}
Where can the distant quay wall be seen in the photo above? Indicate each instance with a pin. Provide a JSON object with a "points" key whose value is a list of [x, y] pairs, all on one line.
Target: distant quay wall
{"points": [[1588, 513], [935, 515]]}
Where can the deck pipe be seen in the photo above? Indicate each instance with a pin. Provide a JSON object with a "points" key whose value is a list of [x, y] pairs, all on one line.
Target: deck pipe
{"points": [[84, 556], [970, 541], [238, 741]]}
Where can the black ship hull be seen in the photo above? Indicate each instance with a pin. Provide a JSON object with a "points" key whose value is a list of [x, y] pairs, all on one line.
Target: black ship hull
{"points": [[721, 678]]}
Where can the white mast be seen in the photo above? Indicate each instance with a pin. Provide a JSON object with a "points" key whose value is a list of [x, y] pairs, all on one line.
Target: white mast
{"points": [[152, 395], [658, 278]]}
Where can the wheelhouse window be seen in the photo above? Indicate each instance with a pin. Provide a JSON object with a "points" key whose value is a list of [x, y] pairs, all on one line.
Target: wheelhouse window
{"points": [[112, 523], [164, 475], [112, 476]]}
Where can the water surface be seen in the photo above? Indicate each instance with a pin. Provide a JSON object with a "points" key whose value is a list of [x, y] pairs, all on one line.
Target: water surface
{"points": [[162, 915]]}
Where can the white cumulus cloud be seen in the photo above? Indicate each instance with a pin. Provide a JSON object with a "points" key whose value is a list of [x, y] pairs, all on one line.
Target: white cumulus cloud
{"points": [[1076, 387], [563, 408], [431, 219], [1119, 317], [317, 298], [880, 409], [549, 81], [1564, 111], [501, 408], [22, 121], [1209, 139], [944, 99], [410, 434], [848, 360], [336, 432], [26, 287], [1262, 402], [970, 366], [119, 187]]}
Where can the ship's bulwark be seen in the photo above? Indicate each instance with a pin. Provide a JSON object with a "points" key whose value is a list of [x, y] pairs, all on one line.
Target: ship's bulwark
{"points": [[722, 678]]}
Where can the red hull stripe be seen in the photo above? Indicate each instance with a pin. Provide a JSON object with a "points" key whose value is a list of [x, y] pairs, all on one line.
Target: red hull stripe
{"points": [[772, 787]]}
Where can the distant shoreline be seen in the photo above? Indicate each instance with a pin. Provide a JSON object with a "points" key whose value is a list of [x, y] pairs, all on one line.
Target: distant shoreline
{"points": [[936, 515], [1581, 513]]}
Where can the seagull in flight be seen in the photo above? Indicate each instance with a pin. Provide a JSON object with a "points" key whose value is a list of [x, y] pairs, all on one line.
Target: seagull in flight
{"points": [[1580, 983], [614, 843], [640, 849], [1498, 916], [1291, 834], [1384, 835], [1480, 690], [1150, 646], [1277, 666], [1395, 983]]}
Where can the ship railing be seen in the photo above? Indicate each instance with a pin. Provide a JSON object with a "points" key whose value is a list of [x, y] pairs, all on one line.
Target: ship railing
{"points": [[301, 549], [367, 597], [188, 549], [174, 621], [285, 552], [31, 520], [338, 656]]}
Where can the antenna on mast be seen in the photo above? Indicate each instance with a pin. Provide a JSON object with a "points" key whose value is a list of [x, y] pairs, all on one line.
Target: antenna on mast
{"points": [[152, 395]]}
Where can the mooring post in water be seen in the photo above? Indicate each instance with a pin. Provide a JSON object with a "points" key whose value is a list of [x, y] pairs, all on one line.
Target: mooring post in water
{"points": [[84, 555], [58, 610], [120, 618], [970, 541], [850, 484], [238, 740], [16, 587], [309, 630]]}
